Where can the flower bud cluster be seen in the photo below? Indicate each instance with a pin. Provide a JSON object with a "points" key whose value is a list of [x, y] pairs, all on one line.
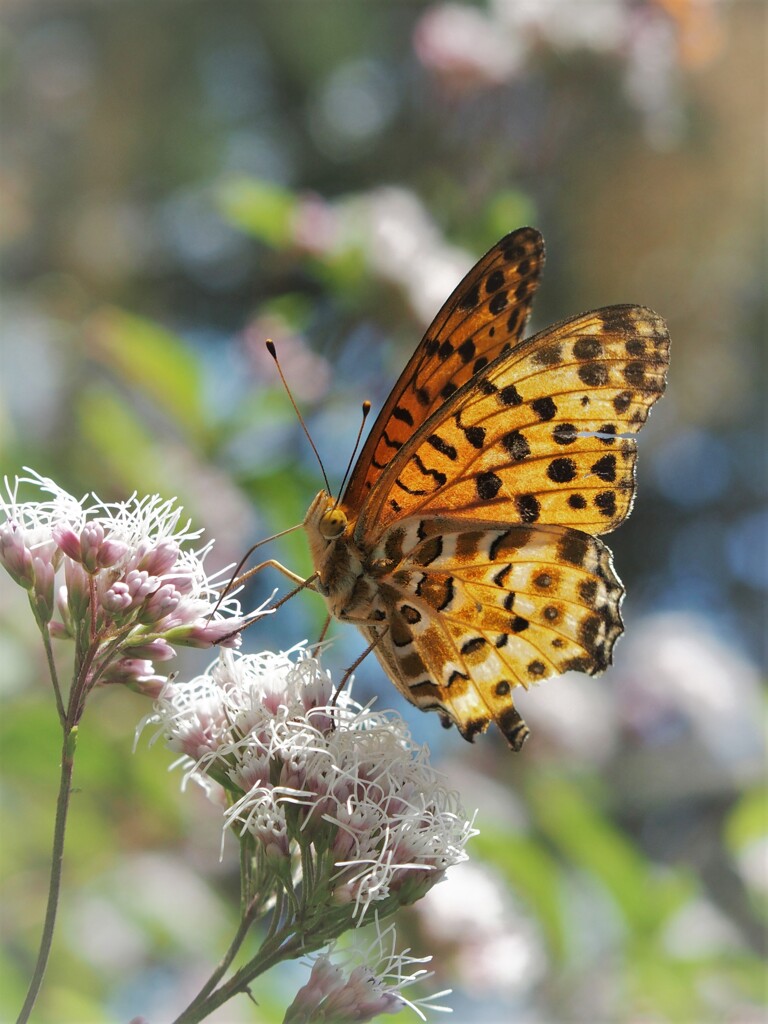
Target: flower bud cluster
{"points": [[340, 784], [366, 982], [116, 578]]}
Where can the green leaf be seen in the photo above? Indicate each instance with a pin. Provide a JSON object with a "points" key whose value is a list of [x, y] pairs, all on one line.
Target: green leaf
{"points": [[532, 872], [509, 210], [153, 360], [119, 439], [260, 208], [748, 820], [593, 843]]}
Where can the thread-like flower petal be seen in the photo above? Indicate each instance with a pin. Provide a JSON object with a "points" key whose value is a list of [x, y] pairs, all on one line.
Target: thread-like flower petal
{"points": [[356, 783]]}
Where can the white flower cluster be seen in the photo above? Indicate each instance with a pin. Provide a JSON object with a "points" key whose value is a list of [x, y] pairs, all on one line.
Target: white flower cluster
{"points": [[114, 577], [339, 782]]}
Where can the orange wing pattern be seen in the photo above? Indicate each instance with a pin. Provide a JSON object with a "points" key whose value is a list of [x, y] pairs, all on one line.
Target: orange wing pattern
{"points": [[484, 316], [542, 435], [473, 611]]}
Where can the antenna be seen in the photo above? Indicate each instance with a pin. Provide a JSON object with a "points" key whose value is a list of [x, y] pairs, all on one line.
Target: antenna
{"points": [[272, 351], [366, 410]]}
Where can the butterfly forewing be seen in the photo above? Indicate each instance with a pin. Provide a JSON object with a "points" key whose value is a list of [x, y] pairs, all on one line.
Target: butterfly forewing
{"points": [[485, 315], [551, 425]]}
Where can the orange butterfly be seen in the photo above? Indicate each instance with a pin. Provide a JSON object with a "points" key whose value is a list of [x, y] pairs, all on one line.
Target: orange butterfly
{"points": [[465, 546]]}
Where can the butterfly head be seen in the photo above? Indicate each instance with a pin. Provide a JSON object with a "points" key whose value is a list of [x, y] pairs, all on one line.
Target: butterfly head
{"points": [[335, 558], [325, 519], [333, 522]]}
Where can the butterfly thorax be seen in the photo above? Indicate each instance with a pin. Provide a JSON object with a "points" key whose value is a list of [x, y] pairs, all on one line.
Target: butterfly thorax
{"points": [[337, 560]]}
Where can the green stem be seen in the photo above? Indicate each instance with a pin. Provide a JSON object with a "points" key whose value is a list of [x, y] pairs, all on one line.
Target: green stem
{"points": [[223, 965], [57, 857], [267, 957], [54, 675], [284, 944]]}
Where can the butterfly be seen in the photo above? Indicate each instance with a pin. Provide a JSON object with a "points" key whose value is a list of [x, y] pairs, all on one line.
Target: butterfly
{"points": [[466, 544]]}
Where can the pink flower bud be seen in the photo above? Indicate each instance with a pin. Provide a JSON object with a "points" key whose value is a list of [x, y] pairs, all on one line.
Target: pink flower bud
{"points": [[117, 599], [141, 585], [44, 579], [137, 674], [110, 552], [78, 589], [64, 628], [15, 555], [202, 633], [160, 559], [163, 602], [183, 582], [156, 650], [91, 539], [67, 541]]}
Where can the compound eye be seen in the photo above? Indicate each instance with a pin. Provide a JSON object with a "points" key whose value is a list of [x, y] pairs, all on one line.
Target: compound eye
{"points": [[333, 523]]}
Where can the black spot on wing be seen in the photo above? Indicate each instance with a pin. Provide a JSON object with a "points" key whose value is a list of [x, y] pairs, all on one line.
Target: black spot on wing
{"points": [[510, 396], [564, 433], [544, 408], [455, 676], [442, 446], [605, 503], [495, 281], [528, 507], [587, 348], [574, 547], [474, 644], [466, 350], [498, 303], [449, 594], [515, 444], [488, 485], [437, 476], [502, 574], [470, 298], [548, 355], [397, 445], [594, 375], [605, 468], [561, 471]]}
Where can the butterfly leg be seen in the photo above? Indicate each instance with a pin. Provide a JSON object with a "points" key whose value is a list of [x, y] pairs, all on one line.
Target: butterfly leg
{"points": [[323, 634], [358, 661], [302, 584], [273, 563]]}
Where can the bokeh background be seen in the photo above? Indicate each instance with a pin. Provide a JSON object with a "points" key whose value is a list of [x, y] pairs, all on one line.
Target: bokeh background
{"points": [[180, 181]]}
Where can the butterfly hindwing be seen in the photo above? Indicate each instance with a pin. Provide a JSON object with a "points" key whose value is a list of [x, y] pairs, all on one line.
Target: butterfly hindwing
{"points": [[542, 435], [485, 315], [473, 611]]}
